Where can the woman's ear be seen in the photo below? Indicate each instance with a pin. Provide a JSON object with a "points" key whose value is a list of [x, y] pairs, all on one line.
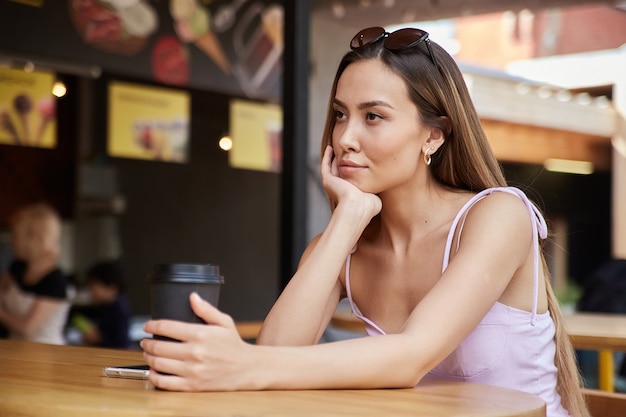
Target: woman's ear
{"points": [[439, 131], [434, 141]]}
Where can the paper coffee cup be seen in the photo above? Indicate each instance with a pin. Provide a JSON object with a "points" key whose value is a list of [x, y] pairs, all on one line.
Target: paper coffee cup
{"points": [[172, 283]]}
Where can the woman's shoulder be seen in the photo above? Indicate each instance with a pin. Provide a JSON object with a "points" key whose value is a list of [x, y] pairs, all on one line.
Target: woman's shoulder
{"points": [[506, 191], [501, 206], [502, 198]]}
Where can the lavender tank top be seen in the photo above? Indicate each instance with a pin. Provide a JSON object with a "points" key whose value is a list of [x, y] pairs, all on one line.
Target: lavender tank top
{"points": [[510, 348]]}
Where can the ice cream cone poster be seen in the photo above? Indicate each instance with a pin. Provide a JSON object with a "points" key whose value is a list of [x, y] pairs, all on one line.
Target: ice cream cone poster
{"points": [[193, 25], [258, 42], [256, 131], [121, 27], [148, 123], [242, 38], [27, 108]]}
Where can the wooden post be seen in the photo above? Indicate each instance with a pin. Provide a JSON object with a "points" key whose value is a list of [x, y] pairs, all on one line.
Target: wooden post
{"points": [[619, 171]]}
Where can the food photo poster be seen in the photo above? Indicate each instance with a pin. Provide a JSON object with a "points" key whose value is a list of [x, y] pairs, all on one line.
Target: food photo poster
{"points": [[27, 108], [150, 123]]}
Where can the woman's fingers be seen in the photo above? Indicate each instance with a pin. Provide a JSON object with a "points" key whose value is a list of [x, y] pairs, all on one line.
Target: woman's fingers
{"points": [[167, 382], [164, 364], [334, 167], [209, 313], [164, 378], [327, 161], [205, 355], [187, 331], [177, 330]]}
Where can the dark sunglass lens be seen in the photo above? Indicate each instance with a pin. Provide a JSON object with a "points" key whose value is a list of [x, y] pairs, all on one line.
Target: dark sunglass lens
{"points": [[404, 38], [367, 36]]}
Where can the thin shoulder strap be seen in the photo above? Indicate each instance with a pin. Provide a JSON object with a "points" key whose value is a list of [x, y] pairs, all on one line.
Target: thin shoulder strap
{"points": [[353, 306], [539, 228]]}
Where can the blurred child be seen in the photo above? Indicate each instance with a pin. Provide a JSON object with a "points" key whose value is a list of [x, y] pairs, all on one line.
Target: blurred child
{"points": [[109, 326], [33, 292]]}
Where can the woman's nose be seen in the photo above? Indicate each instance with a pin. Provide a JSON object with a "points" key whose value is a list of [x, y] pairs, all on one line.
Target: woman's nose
{"points": [[348, 138]]}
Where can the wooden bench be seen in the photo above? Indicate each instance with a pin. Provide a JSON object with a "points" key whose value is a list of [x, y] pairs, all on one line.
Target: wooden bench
{"points": [[605, 404]]}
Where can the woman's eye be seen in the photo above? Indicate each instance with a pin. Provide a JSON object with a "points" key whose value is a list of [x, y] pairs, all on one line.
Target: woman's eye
{"points": [[373, 116], [339, 114]]}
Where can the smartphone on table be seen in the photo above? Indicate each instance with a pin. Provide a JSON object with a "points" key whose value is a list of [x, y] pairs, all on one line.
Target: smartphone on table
{"points": [[128, 371]]}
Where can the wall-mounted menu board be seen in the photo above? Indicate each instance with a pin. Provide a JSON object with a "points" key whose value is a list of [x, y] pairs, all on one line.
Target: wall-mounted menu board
{"points": [[148, 122], [256, 132], [27, 108]]}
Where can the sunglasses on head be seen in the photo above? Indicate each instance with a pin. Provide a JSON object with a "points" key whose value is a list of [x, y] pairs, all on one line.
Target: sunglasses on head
{"points": [[398, 40]]}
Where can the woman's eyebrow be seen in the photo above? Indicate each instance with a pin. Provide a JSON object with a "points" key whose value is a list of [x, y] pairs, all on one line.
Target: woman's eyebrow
{"points": [[339, 102], [367, 104], [374, 103]]}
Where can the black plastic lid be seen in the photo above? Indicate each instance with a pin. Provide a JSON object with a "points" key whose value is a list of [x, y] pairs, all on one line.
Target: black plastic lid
{"points": [[180, 272]]}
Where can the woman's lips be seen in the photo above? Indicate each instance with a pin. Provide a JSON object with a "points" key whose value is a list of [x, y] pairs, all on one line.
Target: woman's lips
{"points": [[349, 167]]}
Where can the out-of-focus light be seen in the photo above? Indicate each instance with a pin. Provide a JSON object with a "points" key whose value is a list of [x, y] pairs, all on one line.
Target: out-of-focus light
{"points": [[569, 166], [59, 89], [29, 66], [563, 96], [544, 91], [225, 143], [338, 9], [522, 88], [583, 99], [602, 102], [409, 15]]}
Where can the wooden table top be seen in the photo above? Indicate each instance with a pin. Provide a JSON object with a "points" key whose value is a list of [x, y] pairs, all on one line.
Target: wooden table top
{"points": [[594, 331], [597, 331], [48, 380]]}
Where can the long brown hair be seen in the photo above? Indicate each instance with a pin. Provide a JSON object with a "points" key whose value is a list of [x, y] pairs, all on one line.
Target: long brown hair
{"points": [[464, 161]]}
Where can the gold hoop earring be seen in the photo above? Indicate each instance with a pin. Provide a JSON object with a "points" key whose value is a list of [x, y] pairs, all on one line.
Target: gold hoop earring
{"points": [[427, 158]]}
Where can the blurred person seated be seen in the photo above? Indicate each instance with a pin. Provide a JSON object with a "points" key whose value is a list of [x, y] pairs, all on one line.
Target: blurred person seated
{"points": [[33, 292], [106, 322], [604, 291]]}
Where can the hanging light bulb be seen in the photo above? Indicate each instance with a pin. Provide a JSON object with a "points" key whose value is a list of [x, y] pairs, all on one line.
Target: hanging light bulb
{"points": [[59, 89]]}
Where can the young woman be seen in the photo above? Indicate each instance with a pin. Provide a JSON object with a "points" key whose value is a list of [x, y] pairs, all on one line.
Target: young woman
{"points": [[437, 256], [33, 294]]}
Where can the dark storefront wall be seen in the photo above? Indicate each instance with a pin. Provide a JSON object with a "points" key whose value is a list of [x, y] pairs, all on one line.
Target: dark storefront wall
{"points": [[199, 211], [583, 201], [202, 211]]}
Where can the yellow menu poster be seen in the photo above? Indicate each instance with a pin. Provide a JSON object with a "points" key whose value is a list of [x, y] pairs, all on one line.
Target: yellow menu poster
{"points": [[148, 122], [256, 131], [27, 108]]}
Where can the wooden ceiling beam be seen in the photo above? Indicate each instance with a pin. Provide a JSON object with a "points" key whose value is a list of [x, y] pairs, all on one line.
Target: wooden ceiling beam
{"points": [[513, 142]]}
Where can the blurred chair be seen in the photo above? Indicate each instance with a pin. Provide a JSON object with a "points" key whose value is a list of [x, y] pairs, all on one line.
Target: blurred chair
{"points": [[605, 404]]}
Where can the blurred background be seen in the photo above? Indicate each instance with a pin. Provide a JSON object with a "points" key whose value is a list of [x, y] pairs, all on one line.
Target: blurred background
{"points": [[189, 131]]}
